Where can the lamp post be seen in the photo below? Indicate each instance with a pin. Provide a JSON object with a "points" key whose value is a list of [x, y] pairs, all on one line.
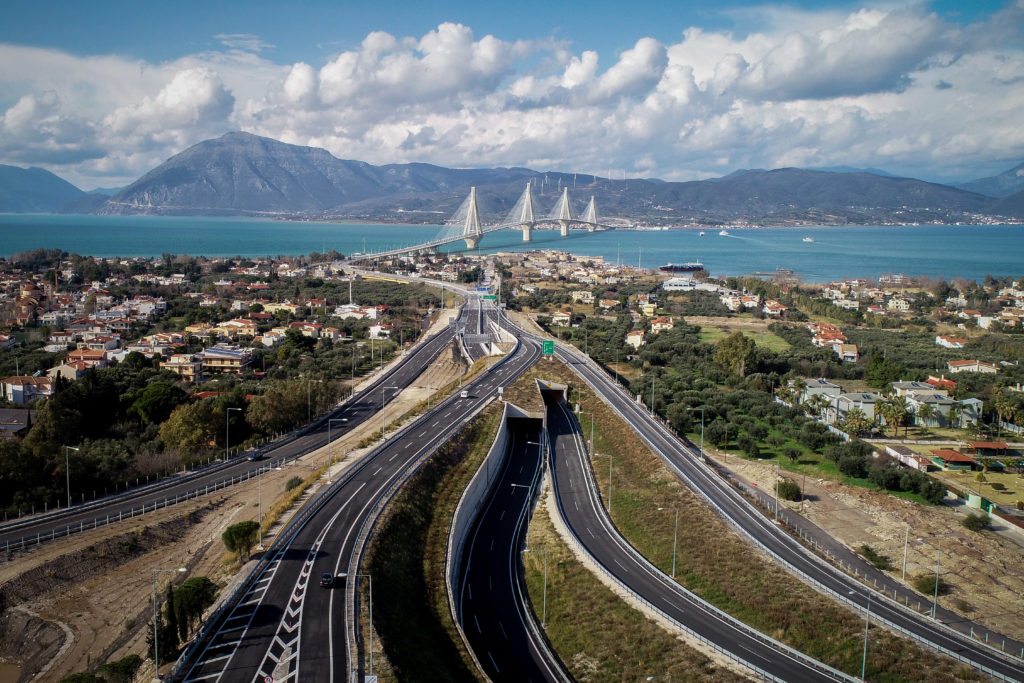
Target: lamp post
{"points": [[382, 390], [544, 615], [227, 432], [329, 458], [776, 493], [67, 468], [675, 538], [935, 597], [694, 410], [609, 456], [906, 542], [867, 621], [156, 623], [593, 446]]}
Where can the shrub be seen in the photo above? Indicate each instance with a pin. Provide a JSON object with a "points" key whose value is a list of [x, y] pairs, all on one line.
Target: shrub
{"points": [[241, 537], [789, 490], [925, 584], [792, 452], [1020, 504], [878, 561], [855, 466], [997, 486], [293, 483], [977, 522]]}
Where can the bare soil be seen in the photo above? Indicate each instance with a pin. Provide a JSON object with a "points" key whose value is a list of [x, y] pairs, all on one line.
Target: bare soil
{"points": [[985, 570]]}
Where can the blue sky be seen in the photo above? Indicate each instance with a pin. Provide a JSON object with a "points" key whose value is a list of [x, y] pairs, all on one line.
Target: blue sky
{"points": [[101, 92]]}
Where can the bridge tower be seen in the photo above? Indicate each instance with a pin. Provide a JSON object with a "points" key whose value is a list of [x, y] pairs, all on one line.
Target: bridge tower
{"points": [[590, 215], [563, 212], [526, 217], [471, 229]]}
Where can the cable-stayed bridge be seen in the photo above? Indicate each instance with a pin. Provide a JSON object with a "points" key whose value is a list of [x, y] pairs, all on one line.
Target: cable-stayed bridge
{"points": [[465, 225]]}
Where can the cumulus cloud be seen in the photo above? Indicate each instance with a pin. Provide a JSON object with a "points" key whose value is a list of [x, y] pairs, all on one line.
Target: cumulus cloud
{"points": [[891, 86]]}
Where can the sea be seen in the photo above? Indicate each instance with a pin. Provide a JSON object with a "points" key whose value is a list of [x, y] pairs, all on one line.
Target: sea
{"points": [[937, 251]]}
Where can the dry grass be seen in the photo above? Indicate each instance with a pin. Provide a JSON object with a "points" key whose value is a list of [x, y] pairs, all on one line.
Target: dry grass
{"points": [[727, 572]]}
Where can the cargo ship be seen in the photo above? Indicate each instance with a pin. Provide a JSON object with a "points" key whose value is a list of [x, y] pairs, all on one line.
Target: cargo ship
{"points": [[690, 267]]}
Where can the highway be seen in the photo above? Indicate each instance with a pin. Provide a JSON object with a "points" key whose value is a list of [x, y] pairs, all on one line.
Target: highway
{"points": [[761, 531], [495, 615], [364, 405], [584, 514], [269, 628]]}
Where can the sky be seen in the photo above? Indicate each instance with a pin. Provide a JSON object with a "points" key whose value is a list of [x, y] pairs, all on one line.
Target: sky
{"points": [[100, 93]]}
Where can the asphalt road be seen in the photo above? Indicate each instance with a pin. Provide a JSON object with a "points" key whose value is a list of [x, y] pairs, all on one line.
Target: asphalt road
{"points": [[761, 530], [273, 629], [584, 514], [494, 614], [366, 404]]}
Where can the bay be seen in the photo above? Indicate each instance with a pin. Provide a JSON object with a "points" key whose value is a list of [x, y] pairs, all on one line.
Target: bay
{"points": [[970, 252]]}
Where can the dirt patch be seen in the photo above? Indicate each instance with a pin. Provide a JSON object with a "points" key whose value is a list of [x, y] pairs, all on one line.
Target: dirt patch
{"points": [[984, 569]]}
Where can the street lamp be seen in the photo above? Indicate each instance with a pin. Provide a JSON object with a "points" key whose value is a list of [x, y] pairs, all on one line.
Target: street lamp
{"points": [[935, 598], [675, 538], [544, 617], [227, 432], [609, 456], [867, 620], [309, 409], [156, 624], [694, 410], [593, 446], [382, 390], [329, 458], [67, 468], [776, 493], [906, 542]]}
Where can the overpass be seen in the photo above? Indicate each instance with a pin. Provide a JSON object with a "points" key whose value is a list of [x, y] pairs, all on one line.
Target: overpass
{"points": [[465, 225]]}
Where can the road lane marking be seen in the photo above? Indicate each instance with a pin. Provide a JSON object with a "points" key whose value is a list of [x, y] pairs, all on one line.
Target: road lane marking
{"points": [[478, 629], [501, 516], [502, 627], [493, 662], [378, 471]]}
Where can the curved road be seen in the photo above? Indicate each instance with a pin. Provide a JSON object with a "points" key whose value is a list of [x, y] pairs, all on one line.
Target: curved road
{"points": [[272, 629], [494, 613], [364, 405]]}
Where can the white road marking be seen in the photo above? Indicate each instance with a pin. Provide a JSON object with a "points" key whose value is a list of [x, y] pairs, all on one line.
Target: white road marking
{"points": [[478, 629], [501, 516], [493, 662]]}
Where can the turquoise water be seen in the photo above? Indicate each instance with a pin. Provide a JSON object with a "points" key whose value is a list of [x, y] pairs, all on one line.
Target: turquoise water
{"points": [[861, 251]]}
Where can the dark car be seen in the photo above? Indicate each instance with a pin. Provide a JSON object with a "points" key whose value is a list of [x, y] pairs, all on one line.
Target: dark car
{"points": [[326, 580]]}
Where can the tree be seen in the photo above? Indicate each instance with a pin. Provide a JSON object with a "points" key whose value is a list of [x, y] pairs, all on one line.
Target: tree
{"points": [[1005, 411], [736, 353], [190, 428], [792, 452], [241, 537], [190, 600], [856, 422], [925, 413], [173, 634], [789, 490], [977, 522], [156, 402]]}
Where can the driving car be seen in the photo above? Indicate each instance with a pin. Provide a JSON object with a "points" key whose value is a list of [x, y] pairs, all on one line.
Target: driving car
{"points": [[326, 580]]}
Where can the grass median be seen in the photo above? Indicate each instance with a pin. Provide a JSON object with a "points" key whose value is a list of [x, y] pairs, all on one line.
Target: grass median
{"points": [[716, 564], [407, 562]]}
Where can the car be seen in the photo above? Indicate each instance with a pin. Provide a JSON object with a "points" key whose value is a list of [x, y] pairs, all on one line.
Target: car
{"points": [[326, 580], [464, 394], [255, 455]]}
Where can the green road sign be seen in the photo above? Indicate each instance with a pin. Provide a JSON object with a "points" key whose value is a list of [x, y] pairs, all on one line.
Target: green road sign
{"points": [[547, 347], [490, 297]]}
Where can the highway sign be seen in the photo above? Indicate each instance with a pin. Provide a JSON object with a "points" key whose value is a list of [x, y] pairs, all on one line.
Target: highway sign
{"points": [[490, 297], [547, 347]]}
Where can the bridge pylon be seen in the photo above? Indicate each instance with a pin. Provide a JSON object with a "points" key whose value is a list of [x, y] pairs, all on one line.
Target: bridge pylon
{"points": [[563, 212], [471, 231], [590, 215], [526, 218]]}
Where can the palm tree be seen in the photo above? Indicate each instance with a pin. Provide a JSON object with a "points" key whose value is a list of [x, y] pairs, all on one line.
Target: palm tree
{"points": [[885, 411], [925, 412], [1005, 411], [901, 410], [856, 422], [956, 412]]}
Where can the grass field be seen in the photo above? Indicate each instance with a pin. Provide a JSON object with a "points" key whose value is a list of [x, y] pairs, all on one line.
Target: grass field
{"points": [[763, 338]]}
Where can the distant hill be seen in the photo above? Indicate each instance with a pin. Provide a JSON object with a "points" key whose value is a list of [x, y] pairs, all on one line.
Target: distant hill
{"points": [[1010, 206], [851, 169], [34, 190], [240, 173], [1002, 185]]}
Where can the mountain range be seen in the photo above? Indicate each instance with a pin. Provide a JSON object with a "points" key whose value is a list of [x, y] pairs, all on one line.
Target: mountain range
{"points": [[244, 174]]}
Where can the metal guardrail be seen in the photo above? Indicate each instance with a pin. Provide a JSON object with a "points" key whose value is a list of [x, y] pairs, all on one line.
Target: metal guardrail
{"points": [[754, 634], [370, 522], [807, 579]]}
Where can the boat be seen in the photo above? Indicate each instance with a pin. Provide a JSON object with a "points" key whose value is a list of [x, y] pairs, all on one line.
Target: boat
{"points": [[701, 233], [808, 239], [690, 267], [723, 233]]}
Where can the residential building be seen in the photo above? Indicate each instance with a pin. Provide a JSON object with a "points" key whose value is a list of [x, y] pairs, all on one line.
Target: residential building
{"points": [[949, 459], [819, 386], [188, 366], [561, 318], [661, 325], [635, 338], [92, 358], [21, 389], [972, 366], [866, 402], [70, 371], [223, 358], [950, 342], [15, 422]]}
